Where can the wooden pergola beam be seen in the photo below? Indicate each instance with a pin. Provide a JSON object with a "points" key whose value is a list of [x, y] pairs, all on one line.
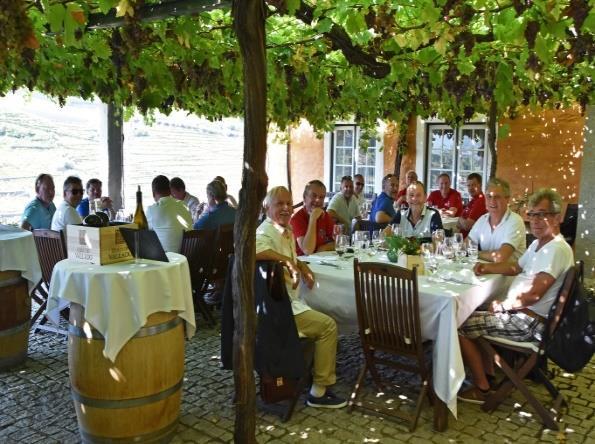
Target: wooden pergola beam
{"points": [[160, 11]]}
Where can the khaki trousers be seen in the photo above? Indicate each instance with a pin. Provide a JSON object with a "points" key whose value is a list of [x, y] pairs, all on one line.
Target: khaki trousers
{"points": [[323, 330]]}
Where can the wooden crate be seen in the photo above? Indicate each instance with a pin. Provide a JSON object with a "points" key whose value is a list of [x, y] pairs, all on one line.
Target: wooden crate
{"points": [[100, 246]]}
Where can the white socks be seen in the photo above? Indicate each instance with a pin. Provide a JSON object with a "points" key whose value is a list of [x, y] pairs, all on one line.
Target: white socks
{"points": [[317, 391]]}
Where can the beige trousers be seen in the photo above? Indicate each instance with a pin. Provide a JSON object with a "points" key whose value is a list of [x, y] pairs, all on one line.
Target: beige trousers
{"points": [[323, 330]]}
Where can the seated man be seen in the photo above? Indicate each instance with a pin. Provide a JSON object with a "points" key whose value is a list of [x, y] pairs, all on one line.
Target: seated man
{"points": [[66, 212], [230, 199], [419, 220], [383, 210], [446, 199], [539, 274], [343, 207], [410, 178], [219, 211], [274, 241], [358, 189], [93, 188], [178, 191], [312, 226], [168, 217], [39, 212], [500, 233], [476, 206]]}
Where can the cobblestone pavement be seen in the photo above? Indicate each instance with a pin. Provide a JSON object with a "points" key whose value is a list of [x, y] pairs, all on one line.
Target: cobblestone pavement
{"points": [[35, 405]]}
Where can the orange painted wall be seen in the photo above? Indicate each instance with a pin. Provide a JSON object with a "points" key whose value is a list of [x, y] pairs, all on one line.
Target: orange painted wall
{"points": [[306, 159], [543, 150]]}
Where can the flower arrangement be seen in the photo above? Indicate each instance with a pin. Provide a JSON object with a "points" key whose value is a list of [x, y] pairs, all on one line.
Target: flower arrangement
{"points": [[398, 245]]}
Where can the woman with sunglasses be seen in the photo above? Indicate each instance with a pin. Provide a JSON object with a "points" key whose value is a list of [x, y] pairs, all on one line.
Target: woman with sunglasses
{"points": [[66, 212]]}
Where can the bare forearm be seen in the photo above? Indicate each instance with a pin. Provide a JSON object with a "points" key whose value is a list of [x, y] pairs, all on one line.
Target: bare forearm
{"points": [[308, 245], [382, 217], [502, 254], [465, 224], [270, 255]]}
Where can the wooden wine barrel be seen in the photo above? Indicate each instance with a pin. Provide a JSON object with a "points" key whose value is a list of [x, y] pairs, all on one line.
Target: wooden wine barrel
{"points": [[15, 314], [135, 399]]}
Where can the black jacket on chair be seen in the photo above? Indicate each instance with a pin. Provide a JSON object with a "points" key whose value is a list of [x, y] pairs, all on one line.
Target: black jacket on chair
{"points": [[277, 350]]}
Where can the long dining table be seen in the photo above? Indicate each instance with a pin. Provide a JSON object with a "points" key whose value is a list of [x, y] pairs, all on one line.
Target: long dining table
{"points": [[446, 301]]}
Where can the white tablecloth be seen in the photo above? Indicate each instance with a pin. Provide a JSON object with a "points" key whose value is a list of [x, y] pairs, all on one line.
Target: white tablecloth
{"points": [[118, 298], [444, 306], [18, 252]]}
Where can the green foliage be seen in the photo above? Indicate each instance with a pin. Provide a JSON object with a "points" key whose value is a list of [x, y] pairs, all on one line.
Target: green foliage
{"points": [[326, 60], [402, 245]]}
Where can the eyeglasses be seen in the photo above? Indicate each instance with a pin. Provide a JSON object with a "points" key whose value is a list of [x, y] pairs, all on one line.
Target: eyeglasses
{"points": [[76, 191], [359, 184], [540, 215]]}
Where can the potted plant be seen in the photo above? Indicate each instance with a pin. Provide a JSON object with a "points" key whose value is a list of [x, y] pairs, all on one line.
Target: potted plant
{"points": [[404, 251]]}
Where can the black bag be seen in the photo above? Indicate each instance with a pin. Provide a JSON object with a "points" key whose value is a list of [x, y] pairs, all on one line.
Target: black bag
{"points": [[572, 344]]}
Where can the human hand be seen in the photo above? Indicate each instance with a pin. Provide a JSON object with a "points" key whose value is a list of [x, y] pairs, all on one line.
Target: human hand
{"points": [[106, 202], [307, 275], [316, 213], [294, 272], [479, 269]]}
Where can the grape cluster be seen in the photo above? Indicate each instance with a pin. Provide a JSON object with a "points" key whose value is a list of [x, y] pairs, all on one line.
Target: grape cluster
{"points": [[531, 31], [15, 29]]}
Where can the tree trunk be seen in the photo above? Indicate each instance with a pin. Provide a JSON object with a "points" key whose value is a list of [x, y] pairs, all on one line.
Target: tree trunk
{"points": [[492, 136], [249, 26]]}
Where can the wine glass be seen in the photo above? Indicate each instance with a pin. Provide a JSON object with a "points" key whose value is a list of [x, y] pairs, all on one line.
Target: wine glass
{"points": [[427, 252], [472, 250], [396, 229], [121, 215], [438, 239], [341, 244], [337, 231], [448, 249]]}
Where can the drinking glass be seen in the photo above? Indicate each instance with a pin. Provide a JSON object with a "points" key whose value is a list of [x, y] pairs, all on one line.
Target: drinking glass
{"points": [[137, 247], [472, 250], [337, 230], [448, 250], [341, 244], [427, 252], [438, 239], [396, 229], [121, 215]]}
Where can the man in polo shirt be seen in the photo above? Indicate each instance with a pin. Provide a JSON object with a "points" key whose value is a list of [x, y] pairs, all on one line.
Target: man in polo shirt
{"points": [[343, 208], [94, 191], [168, 217], [39, 212], [383, 210], [418, 220], [274, 241], [312, 226], [476, 206], [500, 233], [410, 178], [358, 189], [66, 212], [219, 211], [538, 276], [445, 199]]}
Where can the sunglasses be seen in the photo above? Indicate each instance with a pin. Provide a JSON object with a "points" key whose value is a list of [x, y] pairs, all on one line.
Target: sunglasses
{"points": [[540, 215], [77, 191], [359, 184]]}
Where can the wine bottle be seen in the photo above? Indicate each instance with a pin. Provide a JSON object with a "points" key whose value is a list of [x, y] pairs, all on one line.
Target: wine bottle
{"points": [[139, 215]]}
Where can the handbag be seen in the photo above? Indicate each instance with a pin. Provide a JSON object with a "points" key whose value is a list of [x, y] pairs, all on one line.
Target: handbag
{"points": [[277, 388]]}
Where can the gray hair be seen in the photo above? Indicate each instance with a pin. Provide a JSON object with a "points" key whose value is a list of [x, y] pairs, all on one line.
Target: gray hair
{"points": [[552, 196], [217, 190], [495, 182], [274, 192]]}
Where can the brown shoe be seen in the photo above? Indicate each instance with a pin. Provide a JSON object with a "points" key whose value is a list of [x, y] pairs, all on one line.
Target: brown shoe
{"points": [[472, 395]]}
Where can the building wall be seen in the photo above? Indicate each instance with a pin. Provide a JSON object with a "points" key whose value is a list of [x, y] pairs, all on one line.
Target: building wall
{"points": [[543, 150], [306, 159]]}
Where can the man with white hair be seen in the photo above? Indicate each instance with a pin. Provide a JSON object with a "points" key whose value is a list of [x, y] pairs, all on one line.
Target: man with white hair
{"points": [[275, 242]]}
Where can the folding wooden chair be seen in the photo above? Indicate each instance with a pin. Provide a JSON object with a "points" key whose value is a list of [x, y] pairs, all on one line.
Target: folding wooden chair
{"points": [[198, 247], [387, 303], [51, 249], [529, 358]]}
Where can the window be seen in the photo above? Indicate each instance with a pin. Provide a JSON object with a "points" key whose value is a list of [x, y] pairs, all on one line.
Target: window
{"points": [[349, 159], [457, 152]]}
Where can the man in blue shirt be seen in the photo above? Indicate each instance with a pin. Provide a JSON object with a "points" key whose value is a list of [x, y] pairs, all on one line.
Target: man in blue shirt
{"points": [[383, 210], [39, 212], [219, 211], [94, 192]]}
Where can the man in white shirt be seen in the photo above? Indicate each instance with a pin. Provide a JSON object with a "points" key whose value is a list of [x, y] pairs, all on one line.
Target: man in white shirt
{"points": [[168, 217], [358, 189], [66, 212], [538, 276], [500, 233], [343, 207], [178, 191], [275, 241]]}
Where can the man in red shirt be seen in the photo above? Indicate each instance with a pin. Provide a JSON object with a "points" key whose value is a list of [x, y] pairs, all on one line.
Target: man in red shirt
{"points": [[445, 199], [401, 195], [476, 206], [312, 226]]}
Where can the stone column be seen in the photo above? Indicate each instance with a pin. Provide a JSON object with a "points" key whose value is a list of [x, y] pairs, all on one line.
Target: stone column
{"points": [[585, 233]]}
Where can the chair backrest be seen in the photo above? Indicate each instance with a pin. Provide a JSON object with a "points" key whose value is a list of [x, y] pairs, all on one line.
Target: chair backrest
{"points": [[223, 248], [557, 310], [367, 225], [199, 246], [387, 304], [51, 249]]}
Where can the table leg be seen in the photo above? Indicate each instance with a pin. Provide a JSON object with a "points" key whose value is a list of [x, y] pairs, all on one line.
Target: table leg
{"points": [[440, 415]]}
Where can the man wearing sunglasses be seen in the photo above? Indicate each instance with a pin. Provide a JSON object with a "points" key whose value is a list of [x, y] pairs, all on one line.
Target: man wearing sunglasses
{"points": [[66, 212], [358, 190]]}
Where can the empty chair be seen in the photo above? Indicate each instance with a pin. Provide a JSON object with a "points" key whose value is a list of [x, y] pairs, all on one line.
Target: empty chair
{"points": [[198, 247], [387, 304], [51, 249]]}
